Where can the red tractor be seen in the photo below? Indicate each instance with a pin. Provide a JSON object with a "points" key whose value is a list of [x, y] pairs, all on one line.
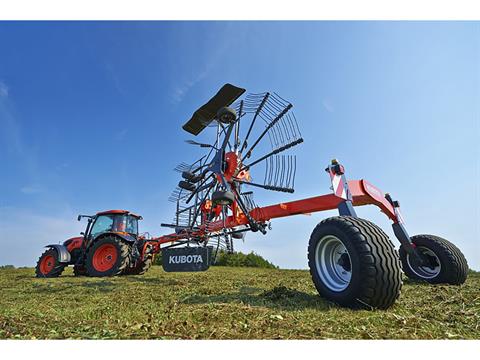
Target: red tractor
{"points": [[109, 246]]}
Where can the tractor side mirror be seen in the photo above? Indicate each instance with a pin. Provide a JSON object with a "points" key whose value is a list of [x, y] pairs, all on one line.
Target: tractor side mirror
{"points": [[82, 233], [79, 217]]}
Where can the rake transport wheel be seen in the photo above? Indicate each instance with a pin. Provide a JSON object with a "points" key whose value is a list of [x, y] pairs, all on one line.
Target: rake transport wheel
{"points": [[353, 263], [446, 263], [108, 256], [141, 268], [48, 265]]}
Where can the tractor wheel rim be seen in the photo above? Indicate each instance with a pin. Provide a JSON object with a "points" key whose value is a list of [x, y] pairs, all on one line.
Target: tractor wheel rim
{"points": [[104, 257], [425, 272], [47, 264], [333, 263]]}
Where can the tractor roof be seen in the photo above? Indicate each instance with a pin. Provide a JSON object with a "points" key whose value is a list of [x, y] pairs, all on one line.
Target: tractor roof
{"points": [[126, 212], [204, 115]]}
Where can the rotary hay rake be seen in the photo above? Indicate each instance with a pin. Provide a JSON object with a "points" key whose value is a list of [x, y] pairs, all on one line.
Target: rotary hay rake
{"points": [[351, 260]]}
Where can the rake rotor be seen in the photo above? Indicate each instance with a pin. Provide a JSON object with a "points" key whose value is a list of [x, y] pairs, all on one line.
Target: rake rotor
{"points": [[251, 133]]}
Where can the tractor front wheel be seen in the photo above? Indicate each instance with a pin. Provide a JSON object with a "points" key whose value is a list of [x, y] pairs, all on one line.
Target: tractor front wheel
{"points": [[48, 265], [443, 261], [353, 263], [108, 256]]}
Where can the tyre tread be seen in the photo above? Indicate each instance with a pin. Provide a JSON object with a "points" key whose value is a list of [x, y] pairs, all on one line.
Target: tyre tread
{"points": [[56, 272], [381, 270], [124, 255], [456, 269]]}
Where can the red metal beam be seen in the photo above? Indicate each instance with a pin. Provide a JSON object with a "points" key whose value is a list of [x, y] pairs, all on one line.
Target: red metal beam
{"points": [[363, 193], [304, 206]]}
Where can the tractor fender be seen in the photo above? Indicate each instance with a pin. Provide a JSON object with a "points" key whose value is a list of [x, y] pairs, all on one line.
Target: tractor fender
{"points": [[62, 252], [127, 237]]}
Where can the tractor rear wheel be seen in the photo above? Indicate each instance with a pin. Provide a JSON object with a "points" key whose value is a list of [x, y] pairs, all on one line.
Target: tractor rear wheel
{"points": [[446, 263], [353, 263], [48, 265], [79, 270], [140, 268], [108, 256]]}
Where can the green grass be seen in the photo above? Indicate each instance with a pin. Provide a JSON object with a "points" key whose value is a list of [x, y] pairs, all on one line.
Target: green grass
{"points": [[223, 303]]}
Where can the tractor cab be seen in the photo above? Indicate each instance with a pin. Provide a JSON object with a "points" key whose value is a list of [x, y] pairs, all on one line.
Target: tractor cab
{"points": [[121, 222]]}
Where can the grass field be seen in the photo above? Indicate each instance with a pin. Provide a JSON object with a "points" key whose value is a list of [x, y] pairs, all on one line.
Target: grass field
{"points": [[223, 303]]}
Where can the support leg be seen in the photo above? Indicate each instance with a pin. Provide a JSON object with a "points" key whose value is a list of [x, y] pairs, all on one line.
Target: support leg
{"points": [[345, 208], [402, 236]]}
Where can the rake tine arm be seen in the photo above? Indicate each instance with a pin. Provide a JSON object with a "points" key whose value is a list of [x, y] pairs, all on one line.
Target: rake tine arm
{"points": [[194, 218], [266, 187], [200, 187], [274, 121], [274, 152], [237, 127], [253, 121], [253, 225]]}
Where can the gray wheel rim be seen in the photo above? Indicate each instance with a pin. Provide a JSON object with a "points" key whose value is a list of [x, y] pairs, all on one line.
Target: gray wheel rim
{"points": [[425, 272], [330, 257]]}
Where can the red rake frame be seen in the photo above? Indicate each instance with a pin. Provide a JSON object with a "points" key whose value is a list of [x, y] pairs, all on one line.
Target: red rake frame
{"points": [[346, 194]]}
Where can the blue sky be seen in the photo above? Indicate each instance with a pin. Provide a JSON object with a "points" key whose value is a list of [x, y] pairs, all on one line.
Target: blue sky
{"points": [[91, 115]]}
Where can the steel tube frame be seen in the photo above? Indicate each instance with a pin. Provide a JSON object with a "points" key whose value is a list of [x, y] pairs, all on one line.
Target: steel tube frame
{"points": [[346, 195]]}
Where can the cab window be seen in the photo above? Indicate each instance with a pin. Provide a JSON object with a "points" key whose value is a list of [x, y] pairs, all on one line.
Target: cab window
{"points": [[102, 224], [132, 225]]}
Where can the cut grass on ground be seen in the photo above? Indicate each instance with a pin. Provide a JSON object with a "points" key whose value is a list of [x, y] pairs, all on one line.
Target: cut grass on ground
{"points": [[223, 303]]}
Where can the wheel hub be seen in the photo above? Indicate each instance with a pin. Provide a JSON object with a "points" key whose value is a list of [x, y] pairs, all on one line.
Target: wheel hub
{"points": [[344, 262], [333, 263], [429, 268], [104, 257], [47, 264]]}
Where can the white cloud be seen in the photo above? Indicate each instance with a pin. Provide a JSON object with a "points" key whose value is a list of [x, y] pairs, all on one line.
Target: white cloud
{"points": [[31, 189], [208, 65], [180, 91], [3, 90], [328, 105], [11, 138], [114, 77], [24, 233]]}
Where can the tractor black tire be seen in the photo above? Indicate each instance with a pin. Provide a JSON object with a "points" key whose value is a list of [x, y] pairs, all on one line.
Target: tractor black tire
{"points": [[48, 265], [226, 115], [223, 198], [79, 270], [141, 268], [107, 256], [186, 185], [448, 264], [367, 274]]}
